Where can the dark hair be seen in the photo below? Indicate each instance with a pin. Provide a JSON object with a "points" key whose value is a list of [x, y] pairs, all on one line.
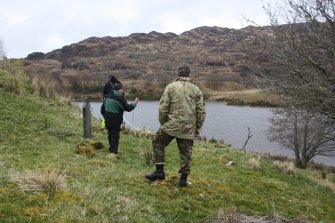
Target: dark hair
{"points": [[108, 87], [113, 79], [184, 71]]}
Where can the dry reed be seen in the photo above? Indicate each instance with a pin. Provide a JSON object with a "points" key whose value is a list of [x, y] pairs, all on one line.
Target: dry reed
{"points": [[44, 87]]}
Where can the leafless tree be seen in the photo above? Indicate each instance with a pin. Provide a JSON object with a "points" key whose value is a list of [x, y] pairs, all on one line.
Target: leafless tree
{"points": [[300, 46], [307, 134]]}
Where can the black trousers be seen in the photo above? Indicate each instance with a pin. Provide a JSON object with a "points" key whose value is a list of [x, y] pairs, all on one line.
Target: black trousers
{"points": [[113, 138]]}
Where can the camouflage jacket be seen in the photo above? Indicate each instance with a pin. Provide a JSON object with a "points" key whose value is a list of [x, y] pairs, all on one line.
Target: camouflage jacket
{"points": [[182, 109]]}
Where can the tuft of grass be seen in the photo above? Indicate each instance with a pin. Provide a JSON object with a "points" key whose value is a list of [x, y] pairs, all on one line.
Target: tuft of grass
{"points": [[39, 180], [287, 167], [254, 164], [60, 132], [44, 87], [326, 183], [147, 156], [113, 157], [88, 147], [101, 163], [139, 133], [33, 211]]}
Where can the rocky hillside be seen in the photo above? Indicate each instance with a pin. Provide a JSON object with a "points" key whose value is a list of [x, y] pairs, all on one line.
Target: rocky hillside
{"points": [[147, 62]]}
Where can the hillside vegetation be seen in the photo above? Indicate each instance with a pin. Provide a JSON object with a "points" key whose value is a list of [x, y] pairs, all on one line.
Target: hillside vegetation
{"points": [[45, 179]]}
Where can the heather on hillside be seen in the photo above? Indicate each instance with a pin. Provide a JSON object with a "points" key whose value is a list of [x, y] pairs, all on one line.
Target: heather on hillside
{"points": [[146, 63]]}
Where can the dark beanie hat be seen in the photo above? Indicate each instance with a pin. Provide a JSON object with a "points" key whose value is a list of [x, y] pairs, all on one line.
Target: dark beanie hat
{"points": [[184, 71], [117, 87]]}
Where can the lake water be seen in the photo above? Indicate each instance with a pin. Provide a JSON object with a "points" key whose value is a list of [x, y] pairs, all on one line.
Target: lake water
{"points": [[229, 123]]}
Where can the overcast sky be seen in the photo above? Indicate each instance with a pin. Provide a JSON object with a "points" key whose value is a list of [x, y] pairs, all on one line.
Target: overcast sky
{"points": [[28, 26]]}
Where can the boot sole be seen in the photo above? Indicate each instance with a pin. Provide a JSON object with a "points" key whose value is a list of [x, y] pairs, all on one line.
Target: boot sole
{"points": [[153, 179]]}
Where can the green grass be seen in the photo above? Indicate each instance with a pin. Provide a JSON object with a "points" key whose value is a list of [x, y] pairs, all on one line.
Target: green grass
{"points": [[42, 134]]}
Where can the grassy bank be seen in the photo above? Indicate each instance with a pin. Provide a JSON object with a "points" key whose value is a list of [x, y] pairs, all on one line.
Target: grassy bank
{"points": [[38, 138]]}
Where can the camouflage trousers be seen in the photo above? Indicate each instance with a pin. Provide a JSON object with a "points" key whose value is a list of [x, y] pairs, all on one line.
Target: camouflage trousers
{"points": [[184, 145]]}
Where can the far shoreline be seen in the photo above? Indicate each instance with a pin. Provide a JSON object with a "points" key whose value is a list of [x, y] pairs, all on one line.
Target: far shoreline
{"points": [[252, 98]]}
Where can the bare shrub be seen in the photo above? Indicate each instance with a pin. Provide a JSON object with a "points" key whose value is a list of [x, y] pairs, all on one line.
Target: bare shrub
{"points": [[39, 180], [308, 134], [301, 54]]}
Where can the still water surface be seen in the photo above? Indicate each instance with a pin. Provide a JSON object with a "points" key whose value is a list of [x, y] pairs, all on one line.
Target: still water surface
{"points": [[229, 123]]}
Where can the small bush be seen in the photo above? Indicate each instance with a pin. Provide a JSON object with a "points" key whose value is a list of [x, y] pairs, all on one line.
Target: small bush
{"points": [[213, 140], [13, 78]]}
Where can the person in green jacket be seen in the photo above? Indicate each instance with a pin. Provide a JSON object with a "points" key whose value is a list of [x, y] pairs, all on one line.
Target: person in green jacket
{"points": [[181, 115], [112, 109]]}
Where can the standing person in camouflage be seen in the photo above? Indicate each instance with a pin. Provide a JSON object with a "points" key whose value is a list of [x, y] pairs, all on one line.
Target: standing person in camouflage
{"points": [[181, 115]]}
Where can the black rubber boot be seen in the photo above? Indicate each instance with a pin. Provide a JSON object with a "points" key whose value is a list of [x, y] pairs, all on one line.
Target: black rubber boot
{"points": [[183, 180], [158, 174]]}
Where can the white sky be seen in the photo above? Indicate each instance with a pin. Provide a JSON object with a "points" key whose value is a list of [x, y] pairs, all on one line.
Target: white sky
{"points": [[28, 26]]}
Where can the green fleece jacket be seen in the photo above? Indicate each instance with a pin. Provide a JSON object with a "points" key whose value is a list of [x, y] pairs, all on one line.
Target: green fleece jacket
{"points": [[182, 109]]}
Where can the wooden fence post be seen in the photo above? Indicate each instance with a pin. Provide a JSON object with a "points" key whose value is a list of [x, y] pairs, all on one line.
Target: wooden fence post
{"points": [[87, 118]]}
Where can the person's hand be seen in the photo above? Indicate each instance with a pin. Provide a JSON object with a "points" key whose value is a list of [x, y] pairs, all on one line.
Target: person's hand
{"points": [[136, 100], [197, 133]]}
